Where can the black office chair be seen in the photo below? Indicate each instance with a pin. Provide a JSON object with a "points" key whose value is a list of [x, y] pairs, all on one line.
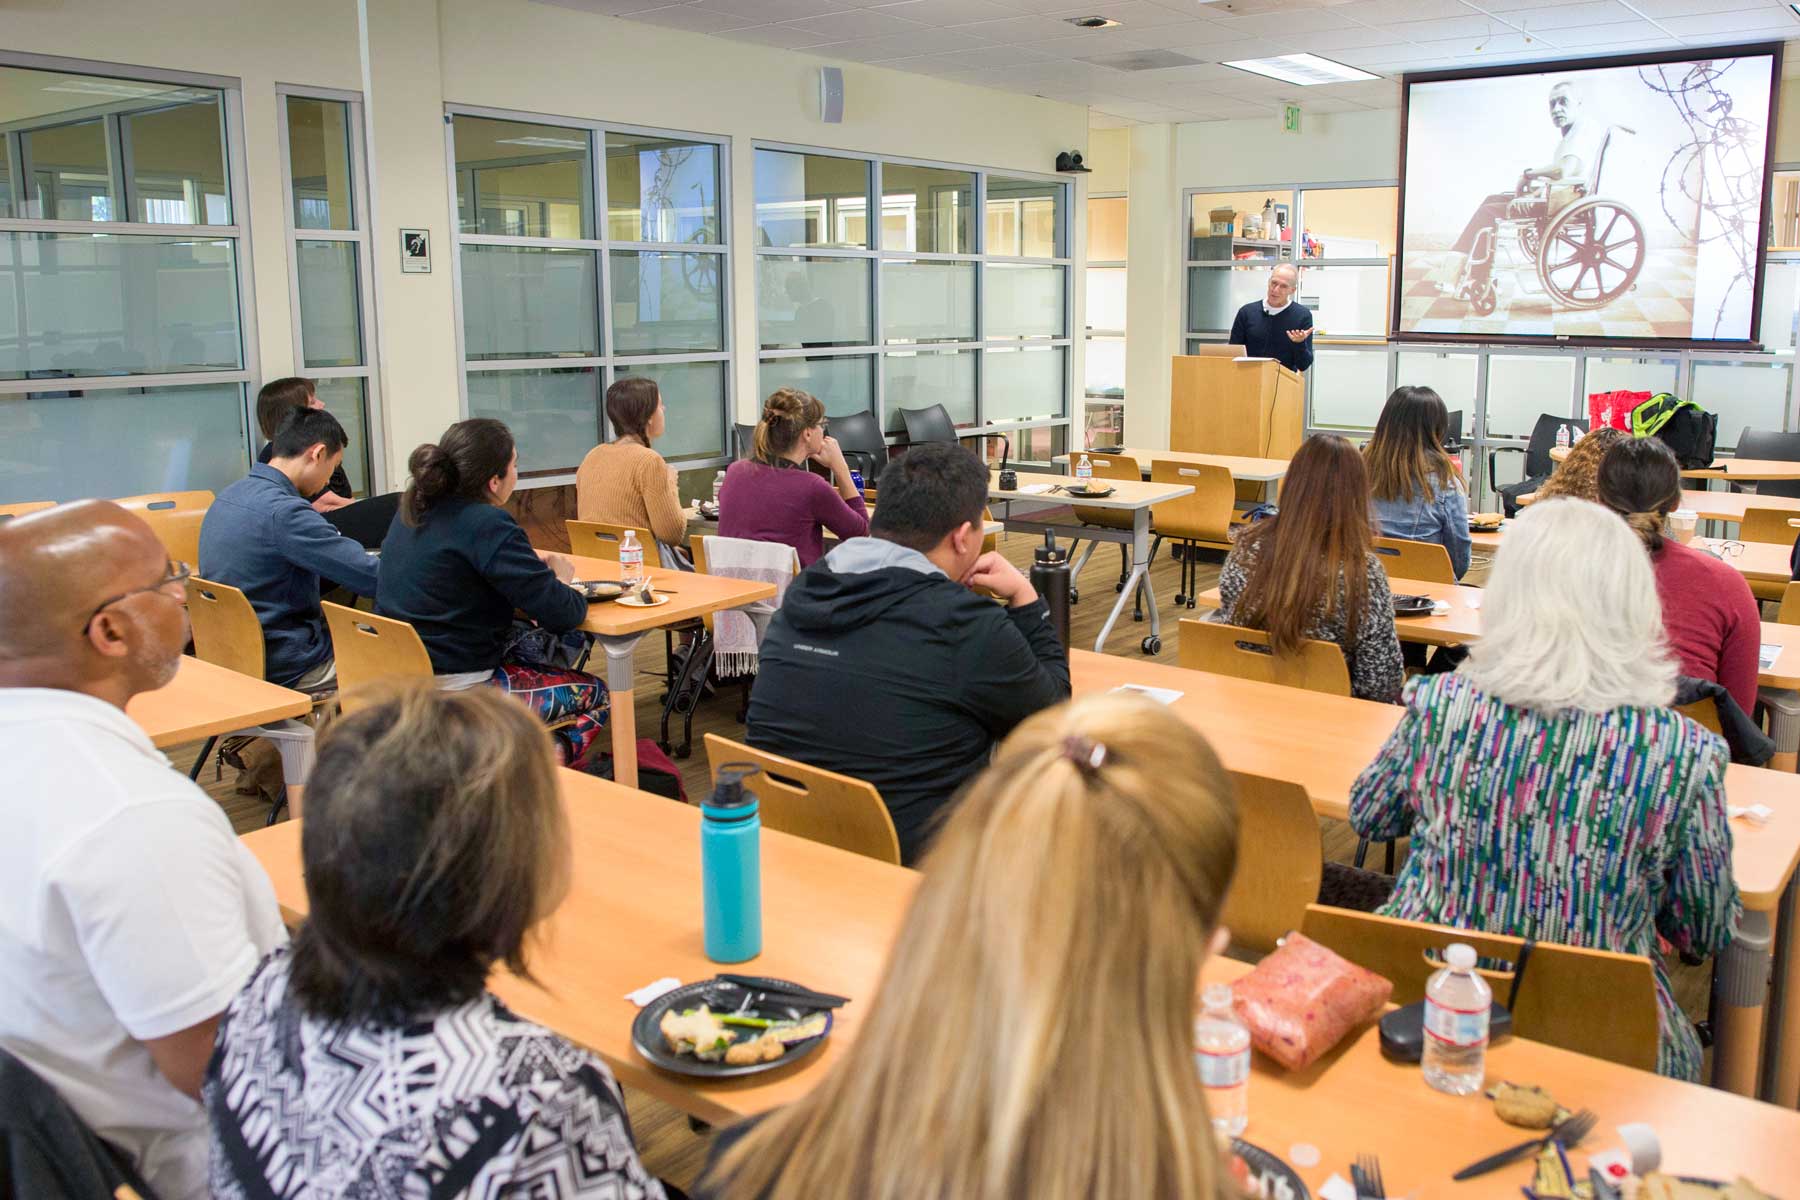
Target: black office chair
{"points": [[859, 437], [1453, 432], [931, 424], [1538, 463], [743, 437], [46, 1151], [1780, 447], [366, 521]]}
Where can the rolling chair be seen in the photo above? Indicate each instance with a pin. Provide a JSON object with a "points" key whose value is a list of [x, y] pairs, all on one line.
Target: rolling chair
{"points": [[1538, 463], [859, 437]]}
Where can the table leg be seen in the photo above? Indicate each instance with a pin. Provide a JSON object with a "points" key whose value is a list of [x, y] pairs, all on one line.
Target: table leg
{"points": [[621, 675], [1740, 994], [1783, 1050], [1138, 577], [1140, 553]]}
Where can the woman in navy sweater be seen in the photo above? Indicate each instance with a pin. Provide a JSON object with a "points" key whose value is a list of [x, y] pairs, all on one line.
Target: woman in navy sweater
{"points": [[456, 566]]}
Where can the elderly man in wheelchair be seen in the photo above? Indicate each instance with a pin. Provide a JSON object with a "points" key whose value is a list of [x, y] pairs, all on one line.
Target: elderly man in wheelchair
{"points": [[1586, 251]]}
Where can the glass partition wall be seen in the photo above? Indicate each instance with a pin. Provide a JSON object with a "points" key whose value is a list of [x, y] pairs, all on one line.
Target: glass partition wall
{"points": [[125, 341]]}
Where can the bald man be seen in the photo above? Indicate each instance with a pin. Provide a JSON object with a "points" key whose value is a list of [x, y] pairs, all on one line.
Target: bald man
{"points": [[1277, 326], [130, 914]]}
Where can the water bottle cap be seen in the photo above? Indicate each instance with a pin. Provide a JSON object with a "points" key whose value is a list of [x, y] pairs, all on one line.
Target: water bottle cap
{"points": [[1216, 996], [1050, 552], [1460, 956], [730, 799]]}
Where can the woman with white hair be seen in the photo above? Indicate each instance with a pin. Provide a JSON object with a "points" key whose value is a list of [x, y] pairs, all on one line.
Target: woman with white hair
{"points": [[1549, 790]]}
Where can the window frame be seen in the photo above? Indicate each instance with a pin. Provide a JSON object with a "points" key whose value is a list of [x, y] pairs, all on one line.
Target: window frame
{"points": [[608, 362], [369, 370], [981, 342]]}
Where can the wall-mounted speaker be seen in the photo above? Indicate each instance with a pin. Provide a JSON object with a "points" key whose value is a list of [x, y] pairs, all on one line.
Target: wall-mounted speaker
{"points": [[831, 95]]}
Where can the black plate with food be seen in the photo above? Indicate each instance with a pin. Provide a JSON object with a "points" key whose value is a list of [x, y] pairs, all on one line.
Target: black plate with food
{"points": [[1090, 492], [705, 1029], [597, 590], [1265, 1169], [1413, 606]]}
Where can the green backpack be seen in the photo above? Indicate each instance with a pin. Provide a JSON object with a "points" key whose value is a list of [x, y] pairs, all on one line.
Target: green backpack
{"points": [[1684, 427]]}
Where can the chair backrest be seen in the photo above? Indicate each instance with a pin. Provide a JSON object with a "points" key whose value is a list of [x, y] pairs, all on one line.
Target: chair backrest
{"points": [[859, 437], [9, 511], [1405, 559], [35, 1119], [1209, 646], [598, 539], [697, 549], [1113, 469], [1543, 438], [743, 438], [1703, 712], [1204, 516], [1777, 446], [1280, 862], [932, 424], [1767, 525], [226, 631], [821, 806], [175, 517], [1453, 423], [1591, 1001], [367, 521], [1790, 605], [1592, 184], [369, 648]]}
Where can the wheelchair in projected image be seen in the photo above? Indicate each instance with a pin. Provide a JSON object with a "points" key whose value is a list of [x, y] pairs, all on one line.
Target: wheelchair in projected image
{"points": [[1585, 254]]}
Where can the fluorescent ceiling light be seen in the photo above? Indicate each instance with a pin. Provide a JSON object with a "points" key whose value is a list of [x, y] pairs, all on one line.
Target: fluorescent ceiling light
{"points": [[1303, 69], [557, 143]]}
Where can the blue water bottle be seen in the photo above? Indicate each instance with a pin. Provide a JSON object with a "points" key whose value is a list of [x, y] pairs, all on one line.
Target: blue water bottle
{"points": [[731, 866]]}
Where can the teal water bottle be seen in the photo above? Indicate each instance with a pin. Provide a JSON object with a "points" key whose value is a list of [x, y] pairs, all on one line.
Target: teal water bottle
{"points": [[731, 866]]}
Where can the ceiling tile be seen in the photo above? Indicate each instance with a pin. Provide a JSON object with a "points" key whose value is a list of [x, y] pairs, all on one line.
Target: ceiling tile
{"points": [[767, 12], [620, 8], [1136, 14], [1384, 12], [908, 45], [1747, 20], [994, 56], [1326, 41], [1013, 31], [1596, 37], [946, 12], [1283, 26], [1572, 16], [779, 36], [1658, 9], [695, 20], [1443, 30], [1101, 120], [860, 23]]}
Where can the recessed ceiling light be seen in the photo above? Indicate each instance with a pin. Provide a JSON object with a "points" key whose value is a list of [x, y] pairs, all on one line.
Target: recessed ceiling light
{"points": [[1306, 70], [1094, 22], [550, 142]]}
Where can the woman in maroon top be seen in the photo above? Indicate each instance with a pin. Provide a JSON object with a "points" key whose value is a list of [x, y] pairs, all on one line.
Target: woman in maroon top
{"points": [[1711, 617], [772, 497]]}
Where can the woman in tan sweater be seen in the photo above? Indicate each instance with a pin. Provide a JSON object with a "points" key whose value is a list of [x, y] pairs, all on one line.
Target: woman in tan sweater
{"points": [[626, 482]]}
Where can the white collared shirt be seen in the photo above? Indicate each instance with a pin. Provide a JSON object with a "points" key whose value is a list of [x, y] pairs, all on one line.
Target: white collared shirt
{"points": [[129, 911], [1275, 312]]}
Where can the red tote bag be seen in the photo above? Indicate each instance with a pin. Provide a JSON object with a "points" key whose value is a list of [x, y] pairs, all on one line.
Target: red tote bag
{"points": [[1613, 408]]}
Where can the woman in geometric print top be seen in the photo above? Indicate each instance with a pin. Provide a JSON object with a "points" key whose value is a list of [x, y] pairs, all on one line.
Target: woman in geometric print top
{"points": [[369, 1060], [1549, 791]]}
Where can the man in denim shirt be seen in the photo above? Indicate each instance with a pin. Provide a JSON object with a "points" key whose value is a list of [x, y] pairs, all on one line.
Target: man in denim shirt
{"points": [[262, 537]]}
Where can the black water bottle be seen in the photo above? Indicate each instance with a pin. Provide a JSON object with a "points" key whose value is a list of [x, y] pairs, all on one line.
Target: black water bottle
{"points": [[1050, 576]]}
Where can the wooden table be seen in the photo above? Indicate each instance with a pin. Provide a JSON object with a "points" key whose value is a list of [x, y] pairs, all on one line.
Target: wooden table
{"points": [[1738, 470], [1257, 728], [204, 700], [1130, 496], [1254, 470], [619, 628], [1729, 506], [829, 919], [1764, 563]]}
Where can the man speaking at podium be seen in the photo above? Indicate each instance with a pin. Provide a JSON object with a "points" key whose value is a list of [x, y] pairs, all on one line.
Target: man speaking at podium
{"points": [[1277, 326]]}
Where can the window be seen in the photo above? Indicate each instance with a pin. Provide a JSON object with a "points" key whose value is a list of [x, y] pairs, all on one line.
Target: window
{"points": [[123, 361], [929, 306], [329, 245], [1103, 418], [585, 254]]}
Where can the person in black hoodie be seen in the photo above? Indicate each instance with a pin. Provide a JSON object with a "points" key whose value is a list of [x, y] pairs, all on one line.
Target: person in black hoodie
{"points": [[884, 664]]}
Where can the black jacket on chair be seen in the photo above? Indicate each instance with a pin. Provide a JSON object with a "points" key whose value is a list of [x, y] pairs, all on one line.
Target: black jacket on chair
{"points": [[1748, 743], [46, 1153]]}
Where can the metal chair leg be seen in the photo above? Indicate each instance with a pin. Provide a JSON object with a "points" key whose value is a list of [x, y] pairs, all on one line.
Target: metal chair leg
{"points": [[1392, 843], [1362, 852], [205, 753]]}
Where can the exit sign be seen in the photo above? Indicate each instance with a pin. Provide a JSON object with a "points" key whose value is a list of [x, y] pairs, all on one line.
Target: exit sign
{"points": [[1290, 118]]}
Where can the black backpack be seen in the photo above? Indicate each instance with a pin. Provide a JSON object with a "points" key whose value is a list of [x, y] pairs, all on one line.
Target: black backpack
{"points": [[1684, 427]]}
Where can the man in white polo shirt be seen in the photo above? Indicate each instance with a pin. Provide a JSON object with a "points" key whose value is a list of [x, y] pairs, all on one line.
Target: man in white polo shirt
{"points": [[129, 915]]}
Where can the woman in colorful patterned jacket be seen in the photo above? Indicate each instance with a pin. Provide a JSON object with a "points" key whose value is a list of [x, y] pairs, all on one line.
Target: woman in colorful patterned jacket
{"points": [[1549, 791]]}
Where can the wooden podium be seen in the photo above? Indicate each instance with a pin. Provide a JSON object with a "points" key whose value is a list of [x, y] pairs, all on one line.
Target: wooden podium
{"points": [[1221, 405]]}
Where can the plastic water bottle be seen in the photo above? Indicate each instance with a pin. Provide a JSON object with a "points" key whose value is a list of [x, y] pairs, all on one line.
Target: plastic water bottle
{"points": [[1457, 1004], [1222, 1053], [718, 485], [731, 867], [1562, 437], [631, 560], [1084, 470]]}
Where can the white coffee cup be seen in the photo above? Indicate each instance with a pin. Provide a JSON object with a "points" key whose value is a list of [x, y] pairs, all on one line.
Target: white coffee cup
{"points": [[1681, 524]]}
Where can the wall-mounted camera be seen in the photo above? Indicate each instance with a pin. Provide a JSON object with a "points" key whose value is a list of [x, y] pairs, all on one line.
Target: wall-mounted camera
{"points": [[1069, 162]]}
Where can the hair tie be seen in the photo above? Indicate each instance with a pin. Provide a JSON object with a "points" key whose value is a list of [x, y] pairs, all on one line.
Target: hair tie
{"points": [[1087, 755]]}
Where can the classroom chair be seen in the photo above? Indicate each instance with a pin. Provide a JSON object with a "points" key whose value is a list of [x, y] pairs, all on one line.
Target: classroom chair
{"points": [[9, 511], [1593, 1002], [929, 424], [859, 437], [175, 517], [1202, 520], [369, 648], [1405, 559], [818, 805], [599, 539], [1538, 463], [1775, 446], [1233, 650], [227, 634], [1767, 525], [743, 440], [1704, 713], [1280, 862], [1108, 469], [1790, 604]]}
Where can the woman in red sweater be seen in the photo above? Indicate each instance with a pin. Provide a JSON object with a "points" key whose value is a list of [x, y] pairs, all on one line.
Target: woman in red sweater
{"points": [[1712, 619], [772, 497]]}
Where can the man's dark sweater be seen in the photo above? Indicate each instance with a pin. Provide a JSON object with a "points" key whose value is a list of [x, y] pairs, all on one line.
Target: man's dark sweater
{"points": [[880, 666], [458, 576], [1265, 336]]}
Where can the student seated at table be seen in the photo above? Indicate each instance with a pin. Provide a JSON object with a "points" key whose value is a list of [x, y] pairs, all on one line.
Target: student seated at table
{"points": [[274, 402], [262, 537], [1712, 620], [1549, 790], [1578, 474], [882, 663], [370, 1058], [456, 565], [1080, 879], [1310, 572], [130, 913], [1417, 487], [772, 497], [626, 482]]}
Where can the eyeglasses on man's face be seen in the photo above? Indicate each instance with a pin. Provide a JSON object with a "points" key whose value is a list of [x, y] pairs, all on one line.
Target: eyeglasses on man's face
{"points": [[176, 576]]}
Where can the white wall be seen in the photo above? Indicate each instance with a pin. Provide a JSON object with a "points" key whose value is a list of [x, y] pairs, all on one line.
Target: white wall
{"points": [[1329, 147], [536, 58]]}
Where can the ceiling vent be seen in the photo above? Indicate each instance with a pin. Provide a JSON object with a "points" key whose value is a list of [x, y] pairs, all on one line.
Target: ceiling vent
{"points": [[1095, 22], [1142, 60]]}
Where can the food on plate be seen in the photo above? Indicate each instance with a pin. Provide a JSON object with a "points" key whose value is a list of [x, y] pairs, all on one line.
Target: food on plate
{"points": [[697, 1032], [765, 1048], [1486, 521], [1657, 1186], [1525, 1105], [736, 1038]]}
